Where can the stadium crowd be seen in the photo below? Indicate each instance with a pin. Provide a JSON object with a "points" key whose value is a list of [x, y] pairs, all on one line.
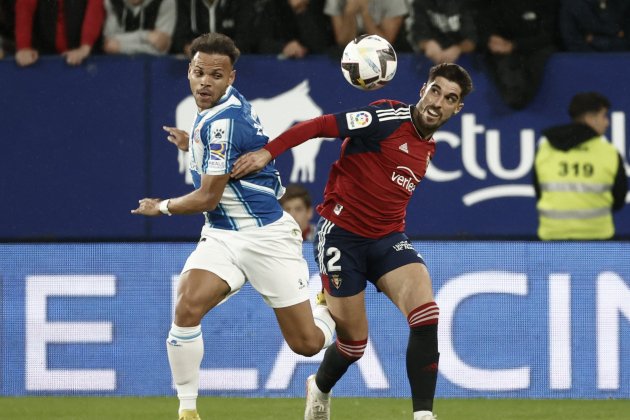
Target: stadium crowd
{"points": [[512, 38]]}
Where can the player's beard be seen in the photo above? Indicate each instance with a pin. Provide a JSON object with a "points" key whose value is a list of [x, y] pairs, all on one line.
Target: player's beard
{"points": [[424, 127]]}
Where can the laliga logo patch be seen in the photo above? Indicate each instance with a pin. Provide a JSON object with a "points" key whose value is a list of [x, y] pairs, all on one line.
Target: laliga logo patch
{"points": [[335, 280], [217, 151], [358, 120]]}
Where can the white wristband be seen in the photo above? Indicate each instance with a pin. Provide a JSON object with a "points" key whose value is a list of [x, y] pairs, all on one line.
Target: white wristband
{"points": [[164, 207]]}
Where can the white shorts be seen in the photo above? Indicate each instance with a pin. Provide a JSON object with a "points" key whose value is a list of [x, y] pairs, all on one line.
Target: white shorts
{"points": [[269, 257]]}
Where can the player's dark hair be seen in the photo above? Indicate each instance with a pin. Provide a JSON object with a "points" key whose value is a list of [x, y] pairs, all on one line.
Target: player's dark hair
{"points": [[297, 191], [215, 43], [454, 73], [587, 102]]}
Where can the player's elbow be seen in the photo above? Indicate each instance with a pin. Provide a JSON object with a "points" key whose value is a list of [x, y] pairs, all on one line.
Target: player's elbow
{"points": [[209, 201]]}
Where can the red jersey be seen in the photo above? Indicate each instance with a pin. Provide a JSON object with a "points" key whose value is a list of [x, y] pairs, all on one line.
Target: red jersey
{"points": [[383, 158]]}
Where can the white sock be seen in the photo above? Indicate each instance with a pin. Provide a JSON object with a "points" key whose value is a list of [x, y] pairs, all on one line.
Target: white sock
{"points": [[324, 322], [185, 351], [417, 415]]}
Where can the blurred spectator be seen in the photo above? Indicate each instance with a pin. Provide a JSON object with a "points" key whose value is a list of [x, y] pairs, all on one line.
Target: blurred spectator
{"points": [[595, 25], [518, 37], [579, 177], [351, 18], [139, 26], [67, 27], [7, 27], [297, 202], [197, 17], [443, 29], [295, 28]]}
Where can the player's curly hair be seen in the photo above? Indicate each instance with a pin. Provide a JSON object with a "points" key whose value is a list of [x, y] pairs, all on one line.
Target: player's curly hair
{"points": [[215, 43], [454, 73]]}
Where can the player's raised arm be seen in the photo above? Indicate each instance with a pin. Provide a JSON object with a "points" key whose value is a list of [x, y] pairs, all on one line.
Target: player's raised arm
{"points": [[323, 126]]}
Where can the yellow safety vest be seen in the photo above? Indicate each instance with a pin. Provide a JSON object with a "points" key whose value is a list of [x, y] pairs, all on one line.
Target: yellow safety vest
{"points": [[575, 185]]}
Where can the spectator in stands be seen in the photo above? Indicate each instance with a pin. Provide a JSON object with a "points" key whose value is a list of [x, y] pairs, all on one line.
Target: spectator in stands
{"points": [[579, 177], [7, 27], [443, 29], [69, 27], [139, 26], [351, 18], [519, 37], [295, 28], [595, 25], [297, 202], [197, 17]]}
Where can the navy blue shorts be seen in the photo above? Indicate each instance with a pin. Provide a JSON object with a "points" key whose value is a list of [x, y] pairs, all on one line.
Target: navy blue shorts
{"points": [[347, 261]]}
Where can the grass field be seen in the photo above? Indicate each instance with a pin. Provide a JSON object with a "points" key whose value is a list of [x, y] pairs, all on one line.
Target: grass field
{"points": [[80, 408]]}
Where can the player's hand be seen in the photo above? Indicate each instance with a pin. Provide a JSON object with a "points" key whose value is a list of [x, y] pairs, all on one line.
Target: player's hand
{"points": [[178, 137], [148, 207], [250, 162]]}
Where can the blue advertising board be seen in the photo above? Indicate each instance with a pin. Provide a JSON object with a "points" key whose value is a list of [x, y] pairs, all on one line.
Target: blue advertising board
{"points": [[82, 144], [517, 319]]}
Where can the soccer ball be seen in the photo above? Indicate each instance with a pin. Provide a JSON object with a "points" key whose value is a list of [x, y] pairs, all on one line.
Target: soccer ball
{"points": [[368, 62]]}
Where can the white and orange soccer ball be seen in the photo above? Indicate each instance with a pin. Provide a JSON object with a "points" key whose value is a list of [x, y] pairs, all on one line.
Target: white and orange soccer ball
{"points": [[368, 62]]}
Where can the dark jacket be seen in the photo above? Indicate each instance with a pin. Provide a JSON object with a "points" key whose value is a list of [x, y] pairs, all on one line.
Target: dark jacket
{"points": [[448, 22], [312, 28], [605, 22], [530, 24], [565, 137], [241, 20]]}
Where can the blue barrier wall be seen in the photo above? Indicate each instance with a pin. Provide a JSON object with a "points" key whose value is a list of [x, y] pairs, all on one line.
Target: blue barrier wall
{"points": [[82, 145], [517, 319]]}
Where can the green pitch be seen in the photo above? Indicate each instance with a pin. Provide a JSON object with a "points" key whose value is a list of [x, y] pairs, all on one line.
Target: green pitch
{"points": [[83, 408]]}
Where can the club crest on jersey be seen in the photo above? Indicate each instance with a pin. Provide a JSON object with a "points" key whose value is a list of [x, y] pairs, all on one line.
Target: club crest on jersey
{"points": [[217, 134], [358, 119], [337, 209], [335, 280]]}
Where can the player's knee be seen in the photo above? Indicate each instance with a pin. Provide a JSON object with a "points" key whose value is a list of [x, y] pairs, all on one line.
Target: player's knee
{"points": [[305, 346], [426, 314], [188, 313], [307, 342], [351, 350]]}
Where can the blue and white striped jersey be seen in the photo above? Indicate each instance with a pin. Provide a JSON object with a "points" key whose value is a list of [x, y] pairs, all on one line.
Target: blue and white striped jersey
{"points": [[218, 137]]}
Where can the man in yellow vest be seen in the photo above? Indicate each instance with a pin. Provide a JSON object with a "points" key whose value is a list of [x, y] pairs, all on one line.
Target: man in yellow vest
{"points": [[579, 177]]}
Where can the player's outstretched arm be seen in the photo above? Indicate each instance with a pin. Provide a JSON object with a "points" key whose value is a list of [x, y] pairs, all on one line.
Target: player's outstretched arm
{"points": [[204, 198], [148, 207], [178, 137], [322, 126], [250, 162]]}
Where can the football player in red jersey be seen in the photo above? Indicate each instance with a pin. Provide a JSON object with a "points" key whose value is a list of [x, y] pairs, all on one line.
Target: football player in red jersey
{"points": [[386, 150]]}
